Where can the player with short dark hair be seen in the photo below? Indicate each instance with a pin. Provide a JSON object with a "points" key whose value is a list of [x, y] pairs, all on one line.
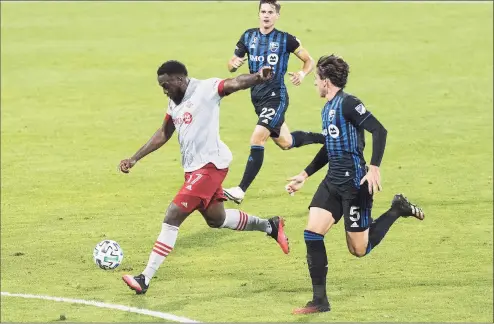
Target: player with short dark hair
{"points": [[348, 188], [268, 46], [193, 111]]}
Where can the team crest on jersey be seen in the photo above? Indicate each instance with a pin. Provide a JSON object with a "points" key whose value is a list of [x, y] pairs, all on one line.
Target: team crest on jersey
{"points": [[253, 42], [274, 46], [360, 109], [187, 118], [331, 115]]}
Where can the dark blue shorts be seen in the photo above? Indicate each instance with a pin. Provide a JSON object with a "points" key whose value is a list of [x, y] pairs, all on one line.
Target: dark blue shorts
{"points": [[271, 114], [354, 204]]}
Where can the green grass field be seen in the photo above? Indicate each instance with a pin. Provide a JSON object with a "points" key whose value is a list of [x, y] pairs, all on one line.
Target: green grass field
{"points": [[78, 94]]}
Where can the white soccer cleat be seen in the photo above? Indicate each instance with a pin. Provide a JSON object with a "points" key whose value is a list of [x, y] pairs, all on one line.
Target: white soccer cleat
{"points": [[235, 194]]}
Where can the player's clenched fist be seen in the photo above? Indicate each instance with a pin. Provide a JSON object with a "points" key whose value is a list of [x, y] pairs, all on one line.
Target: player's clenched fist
{"points": [[126, 164], [266, 72], [238, 62]]}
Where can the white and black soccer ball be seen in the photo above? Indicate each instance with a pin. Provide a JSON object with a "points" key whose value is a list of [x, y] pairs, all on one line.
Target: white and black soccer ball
{"points": [[108, 255]]}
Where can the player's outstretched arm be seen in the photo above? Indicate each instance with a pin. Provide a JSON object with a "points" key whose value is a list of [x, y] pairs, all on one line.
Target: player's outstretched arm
{"points": [[319, 161], [245, 81], [160, 137]]}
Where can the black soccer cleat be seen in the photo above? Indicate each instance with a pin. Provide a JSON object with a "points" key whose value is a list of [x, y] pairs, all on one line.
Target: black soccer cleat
{"points": [[278, 233], [406, 209], [313, 307], [137, 283]]}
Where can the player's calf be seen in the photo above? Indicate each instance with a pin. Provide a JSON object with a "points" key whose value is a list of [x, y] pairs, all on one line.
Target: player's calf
{"points": [[162, 247], [301, 138], [238, 220], [283, 143], [317, 262]]}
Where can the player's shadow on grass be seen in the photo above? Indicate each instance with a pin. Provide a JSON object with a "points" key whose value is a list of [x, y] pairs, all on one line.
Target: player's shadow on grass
{"points": [[214, 237], [209, 238]]}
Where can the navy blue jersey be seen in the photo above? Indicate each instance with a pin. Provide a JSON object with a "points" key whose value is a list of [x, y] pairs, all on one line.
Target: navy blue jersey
{"points": [[342, 118], [272, 49]]}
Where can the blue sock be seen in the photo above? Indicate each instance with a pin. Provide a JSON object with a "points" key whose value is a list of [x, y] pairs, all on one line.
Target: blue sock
{"points": [[380, 227], [254, 164], [300, 138], [317, 261]]}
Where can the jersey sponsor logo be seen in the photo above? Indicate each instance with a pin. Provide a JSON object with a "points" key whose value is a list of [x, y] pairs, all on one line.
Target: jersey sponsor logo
{"points": [[185, 119], [256, 58], [273, 59], [360, 109], [333, 131], [331, 115], [274, 46], [184, 203]]}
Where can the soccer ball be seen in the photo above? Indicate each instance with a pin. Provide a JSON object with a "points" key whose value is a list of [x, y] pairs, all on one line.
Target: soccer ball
{"points": [[108, 255]]}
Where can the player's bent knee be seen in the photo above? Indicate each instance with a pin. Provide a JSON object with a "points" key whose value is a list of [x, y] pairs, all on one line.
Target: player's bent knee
{"points": [[358, 252], [357, 249], [284, 145], [175, 215], [284, 140], [257, 141], [259, 136], [320, 220], [214, 223], [357, 243]]}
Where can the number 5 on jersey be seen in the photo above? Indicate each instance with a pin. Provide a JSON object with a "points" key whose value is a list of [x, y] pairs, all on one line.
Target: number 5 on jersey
{"points": [[354, 215]]}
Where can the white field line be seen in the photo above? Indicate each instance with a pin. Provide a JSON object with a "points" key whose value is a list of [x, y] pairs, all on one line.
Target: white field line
{"points": [[123, 308]]}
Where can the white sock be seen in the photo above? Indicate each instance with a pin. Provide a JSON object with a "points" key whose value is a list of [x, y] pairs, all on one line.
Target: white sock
{"points": [[162, 247], [238, 220]]}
